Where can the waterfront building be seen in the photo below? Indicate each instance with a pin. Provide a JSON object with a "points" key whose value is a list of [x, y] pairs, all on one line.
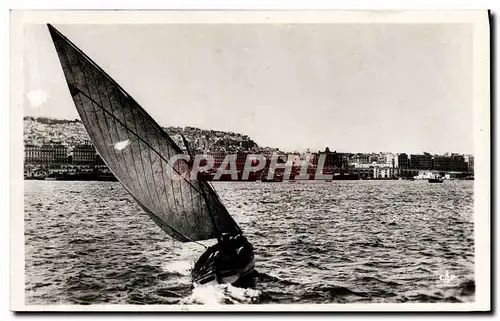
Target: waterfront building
{"points": [[403, 161], [60, 154], [390, 159], [34, 173], [31, 153], [45, 154], [84, 155], [218, 158], [459, 163], [407, 173], [381, 172], [373, 158], [241, 158], [361, 158], [363, 172], [396, 161], [469, 161], [99, 161], [419, 161], [314, 159], [358, 165], [334, 159], [443, 163], [382, 158]]}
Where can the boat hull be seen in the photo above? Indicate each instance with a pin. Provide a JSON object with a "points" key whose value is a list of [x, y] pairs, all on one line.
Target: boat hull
{"points": [[225, 263], [227, 277]]}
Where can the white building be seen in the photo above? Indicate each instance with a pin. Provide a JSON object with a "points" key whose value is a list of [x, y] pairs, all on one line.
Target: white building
{"points": [[383, 172]]}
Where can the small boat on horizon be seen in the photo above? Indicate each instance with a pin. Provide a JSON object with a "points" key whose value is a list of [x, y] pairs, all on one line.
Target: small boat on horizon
{"points": [[436, 179]]}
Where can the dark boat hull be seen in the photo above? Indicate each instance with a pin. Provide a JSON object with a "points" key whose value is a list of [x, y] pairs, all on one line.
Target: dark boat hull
{"points": [[230, 276], [227, 263], [436, 180]]}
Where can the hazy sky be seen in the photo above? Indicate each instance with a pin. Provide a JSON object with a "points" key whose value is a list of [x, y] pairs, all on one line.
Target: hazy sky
{"points": [[351, 87]]}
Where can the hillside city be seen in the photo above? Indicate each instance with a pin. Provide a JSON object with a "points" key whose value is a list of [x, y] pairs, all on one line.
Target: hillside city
{"points": [[57, 149]]}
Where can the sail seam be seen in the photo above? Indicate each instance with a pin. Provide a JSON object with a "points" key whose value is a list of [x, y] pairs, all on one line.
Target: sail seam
{"points": [[153, 175], [141, 159], [116, 130], [203, 194], [191, 192], [163, 178], [152, 171], [110, 126], [85, 78], [93, 107]]}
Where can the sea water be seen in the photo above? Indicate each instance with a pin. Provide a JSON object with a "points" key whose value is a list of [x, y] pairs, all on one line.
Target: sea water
{"points": [[346, 241]]}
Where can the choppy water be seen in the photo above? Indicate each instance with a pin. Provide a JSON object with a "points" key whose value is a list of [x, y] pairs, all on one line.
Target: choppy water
{"points": [[351, 241]]}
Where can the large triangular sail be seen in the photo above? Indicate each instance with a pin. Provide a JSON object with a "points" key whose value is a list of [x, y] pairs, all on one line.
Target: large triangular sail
{"points": [[137, 150]]}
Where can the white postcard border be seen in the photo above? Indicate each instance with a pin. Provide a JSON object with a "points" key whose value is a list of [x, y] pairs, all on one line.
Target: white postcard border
{"points": [[481, 103]]}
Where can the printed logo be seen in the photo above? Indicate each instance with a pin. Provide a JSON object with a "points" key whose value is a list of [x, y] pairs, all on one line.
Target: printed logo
{"points": [[447, 277]]}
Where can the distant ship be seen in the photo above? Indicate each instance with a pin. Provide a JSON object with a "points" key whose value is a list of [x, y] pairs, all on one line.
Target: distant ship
{"points": [[436, 179]]}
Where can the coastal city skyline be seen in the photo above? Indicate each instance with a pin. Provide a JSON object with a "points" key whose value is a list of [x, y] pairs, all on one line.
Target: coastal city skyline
{"points": [[355, 92], [63, 146], [178, 140]]}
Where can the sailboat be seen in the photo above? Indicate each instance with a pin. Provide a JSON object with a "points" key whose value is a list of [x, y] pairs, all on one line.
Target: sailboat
{"points": [[137, 151]]}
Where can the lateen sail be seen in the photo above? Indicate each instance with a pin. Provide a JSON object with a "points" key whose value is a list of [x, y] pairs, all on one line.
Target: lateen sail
{"points": [[137, 150]]}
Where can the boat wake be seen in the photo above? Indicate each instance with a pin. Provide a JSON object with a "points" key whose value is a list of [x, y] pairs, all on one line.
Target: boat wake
{"points": [[221, 294], [179, 267], [210, 294]]}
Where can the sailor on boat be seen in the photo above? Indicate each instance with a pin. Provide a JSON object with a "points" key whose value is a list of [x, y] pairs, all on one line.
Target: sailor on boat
{"points": [[138, 151], [228, 261]]}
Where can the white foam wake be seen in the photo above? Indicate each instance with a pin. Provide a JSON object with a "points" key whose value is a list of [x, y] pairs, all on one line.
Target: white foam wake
{"points": [[181, 267], [221, 294]]}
